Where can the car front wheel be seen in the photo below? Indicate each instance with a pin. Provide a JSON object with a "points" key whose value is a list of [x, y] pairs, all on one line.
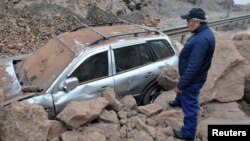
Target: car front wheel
{"points": [[151, 94]]}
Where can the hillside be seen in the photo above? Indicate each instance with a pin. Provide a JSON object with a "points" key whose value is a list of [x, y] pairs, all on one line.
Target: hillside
{"points": [[28, 24]]}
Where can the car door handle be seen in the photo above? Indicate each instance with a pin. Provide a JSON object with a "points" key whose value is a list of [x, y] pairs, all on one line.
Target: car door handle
{"points": [[149, 74], [102, 88]]}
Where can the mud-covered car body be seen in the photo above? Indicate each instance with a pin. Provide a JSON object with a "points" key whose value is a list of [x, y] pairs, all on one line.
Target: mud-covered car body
{"points": [[80, 64]]}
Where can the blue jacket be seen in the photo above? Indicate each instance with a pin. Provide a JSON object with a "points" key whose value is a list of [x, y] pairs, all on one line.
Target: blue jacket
{"points": [[196, 57]]}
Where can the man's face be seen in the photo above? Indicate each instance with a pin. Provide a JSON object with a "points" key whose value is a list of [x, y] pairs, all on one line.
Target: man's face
{"points": [[193, 25]]}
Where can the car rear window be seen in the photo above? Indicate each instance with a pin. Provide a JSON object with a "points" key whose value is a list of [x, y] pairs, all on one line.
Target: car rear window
{"points": [[161, 49], [130, 57]]}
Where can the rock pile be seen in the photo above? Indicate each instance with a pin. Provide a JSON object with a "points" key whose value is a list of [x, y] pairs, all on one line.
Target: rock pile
{"points": [[102, 119]]}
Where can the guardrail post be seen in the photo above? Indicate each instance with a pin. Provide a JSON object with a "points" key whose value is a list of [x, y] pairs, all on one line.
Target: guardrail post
{"points": [[243, 22], [235, 25], [182, 38], [227, 27]]}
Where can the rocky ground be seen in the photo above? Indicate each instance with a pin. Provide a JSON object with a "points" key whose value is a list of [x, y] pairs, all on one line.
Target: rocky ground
{"points": [[101, 119]]}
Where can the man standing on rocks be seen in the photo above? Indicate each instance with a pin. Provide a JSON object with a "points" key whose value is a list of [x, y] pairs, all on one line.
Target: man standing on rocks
{"points": [[194, 63]]}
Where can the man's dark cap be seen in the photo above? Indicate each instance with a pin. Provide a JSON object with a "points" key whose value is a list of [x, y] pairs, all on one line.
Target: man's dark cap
{"points": [[195, 13]]}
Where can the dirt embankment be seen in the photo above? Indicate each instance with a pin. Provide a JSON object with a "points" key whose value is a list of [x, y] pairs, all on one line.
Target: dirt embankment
{"points": [[26, 25]]}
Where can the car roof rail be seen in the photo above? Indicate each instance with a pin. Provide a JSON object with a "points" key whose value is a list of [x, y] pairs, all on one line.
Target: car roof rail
{"points": [[149, 30], [94, 25], [121, 21]]}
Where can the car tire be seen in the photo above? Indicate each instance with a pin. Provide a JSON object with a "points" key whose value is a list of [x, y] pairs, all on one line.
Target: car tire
{"points": [[151, 94]]}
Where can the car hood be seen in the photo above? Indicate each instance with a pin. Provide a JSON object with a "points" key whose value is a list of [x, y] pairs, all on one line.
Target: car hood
{"points": [[8, 80]]}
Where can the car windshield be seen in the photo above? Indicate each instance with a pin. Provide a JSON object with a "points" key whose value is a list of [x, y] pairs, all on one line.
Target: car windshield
{"points": [[42, 67]]}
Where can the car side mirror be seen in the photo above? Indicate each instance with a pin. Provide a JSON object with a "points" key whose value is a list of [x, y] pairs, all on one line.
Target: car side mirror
{"points": [[69, 84]]}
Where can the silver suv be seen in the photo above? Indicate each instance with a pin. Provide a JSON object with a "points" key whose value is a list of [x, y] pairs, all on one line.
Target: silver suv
{"points": [[80, 64]]}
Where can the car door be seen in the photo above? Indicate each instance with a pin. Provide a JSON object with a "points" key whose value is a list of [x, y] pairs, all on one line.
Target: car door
{"points": [[94, 75], [132, 68]]}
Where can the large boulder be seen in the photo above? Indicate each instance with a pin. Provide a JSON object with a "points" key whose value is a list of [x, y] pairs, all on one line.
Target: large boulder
{"points": [[225, 81], [242, 42], [168, 78], [77, 113], [25, 122], [220, 113], [78, 136]]}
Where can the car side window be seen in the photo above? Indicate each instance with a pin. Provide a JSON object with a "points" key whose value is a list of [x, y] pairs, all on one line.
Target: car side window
{"points": [[161, 49], [130, 57], [94, 67]]}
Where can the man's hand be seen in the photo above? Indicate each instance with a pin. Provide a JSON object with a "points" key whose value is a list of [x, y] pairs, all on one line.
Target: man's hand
{"points": [[177, 90]]}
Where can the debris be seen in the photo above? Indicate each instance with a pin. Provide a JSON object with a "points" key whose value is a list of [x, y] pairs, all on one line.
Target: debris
{"points": [[31, 89]]}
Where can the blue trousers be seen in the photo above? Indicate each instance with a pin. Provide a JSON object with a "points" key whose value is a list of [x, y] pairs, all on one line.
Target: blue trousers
{"points": [[188, 99]]}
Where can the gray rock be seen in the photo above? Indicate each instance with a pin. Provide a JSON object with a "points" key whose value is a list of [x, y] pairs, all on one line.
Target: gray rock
{"points": [[109, 130], [78, 113], [78, 136], [150, 109], [56, 129], [25, 122], [110, 96], [143, 127], [129, 101], [109, 116]]}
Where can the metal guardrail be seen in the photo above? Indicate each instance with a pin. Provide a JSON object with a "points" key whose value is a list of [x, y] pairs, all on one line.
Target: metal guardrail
{"points": [[181, 31]]}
